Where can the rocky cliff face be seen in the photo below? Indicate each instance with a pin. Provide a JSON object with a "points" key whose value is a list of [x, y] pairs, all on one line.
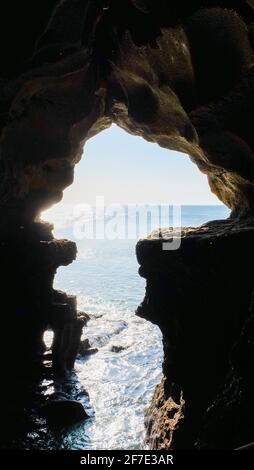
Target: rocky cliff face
{"points": [[201, 301], [180, 76]]}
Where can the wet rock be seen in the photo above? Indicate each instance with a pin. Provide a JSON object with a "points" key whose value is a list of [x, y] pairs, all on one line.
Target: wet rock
{"points": [[85, 348], [83, 316], [83, 393], [56, 396], [64, 412], [91, 351], [117, 349]]}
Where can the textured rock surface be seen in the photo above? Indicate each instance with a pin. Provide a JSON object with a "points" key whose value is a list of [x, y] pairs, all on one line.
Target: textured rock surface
{"points": [[200, 299], [180, 75], [94, 64]]}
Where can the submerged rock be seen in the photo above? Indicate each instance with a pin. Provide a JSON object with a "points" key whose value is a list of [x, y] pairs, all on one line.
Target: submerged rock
{"points": [[64, 412], [117, 349], [85, 348], [92, 351]]}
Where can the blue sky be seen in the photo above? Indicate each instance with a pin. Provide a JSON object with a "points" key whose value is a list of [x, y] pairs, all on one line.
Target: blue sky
{"points": [[127, 169]]}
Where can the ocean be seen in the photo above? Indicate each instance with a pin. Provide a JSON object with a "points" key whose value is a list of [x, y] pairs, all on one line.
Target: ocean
{"points": [[121, 377]]}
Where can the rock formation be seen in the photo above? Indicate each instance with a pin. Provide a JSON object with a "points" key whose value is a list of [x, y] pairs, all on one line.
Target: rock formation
{"points": [[201, 300], [178, 75], [60, 413]]}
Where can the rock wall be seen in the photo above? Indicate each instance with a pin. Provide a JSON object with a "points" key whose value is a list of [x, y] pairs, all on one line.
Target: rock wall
{"points": [[200, 298], [178, 75], [29, 259]]}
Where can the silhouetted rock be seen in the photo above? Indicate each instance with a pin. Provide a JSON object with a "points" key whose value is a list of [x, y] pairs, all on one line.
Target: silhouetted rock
{"points": [[200, 299], [64, 412], [83, 316]]}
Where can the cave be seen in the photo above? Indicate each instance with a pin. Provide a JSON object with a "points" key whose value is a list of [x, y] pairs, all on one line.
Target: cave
{"points": [[176, 75], [120, 355]]}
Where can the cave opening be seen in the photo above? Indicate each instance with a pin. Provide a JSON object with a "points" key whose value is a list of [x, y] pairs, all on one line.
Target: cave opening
{"points": [[121, 355], [183, 79]]}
